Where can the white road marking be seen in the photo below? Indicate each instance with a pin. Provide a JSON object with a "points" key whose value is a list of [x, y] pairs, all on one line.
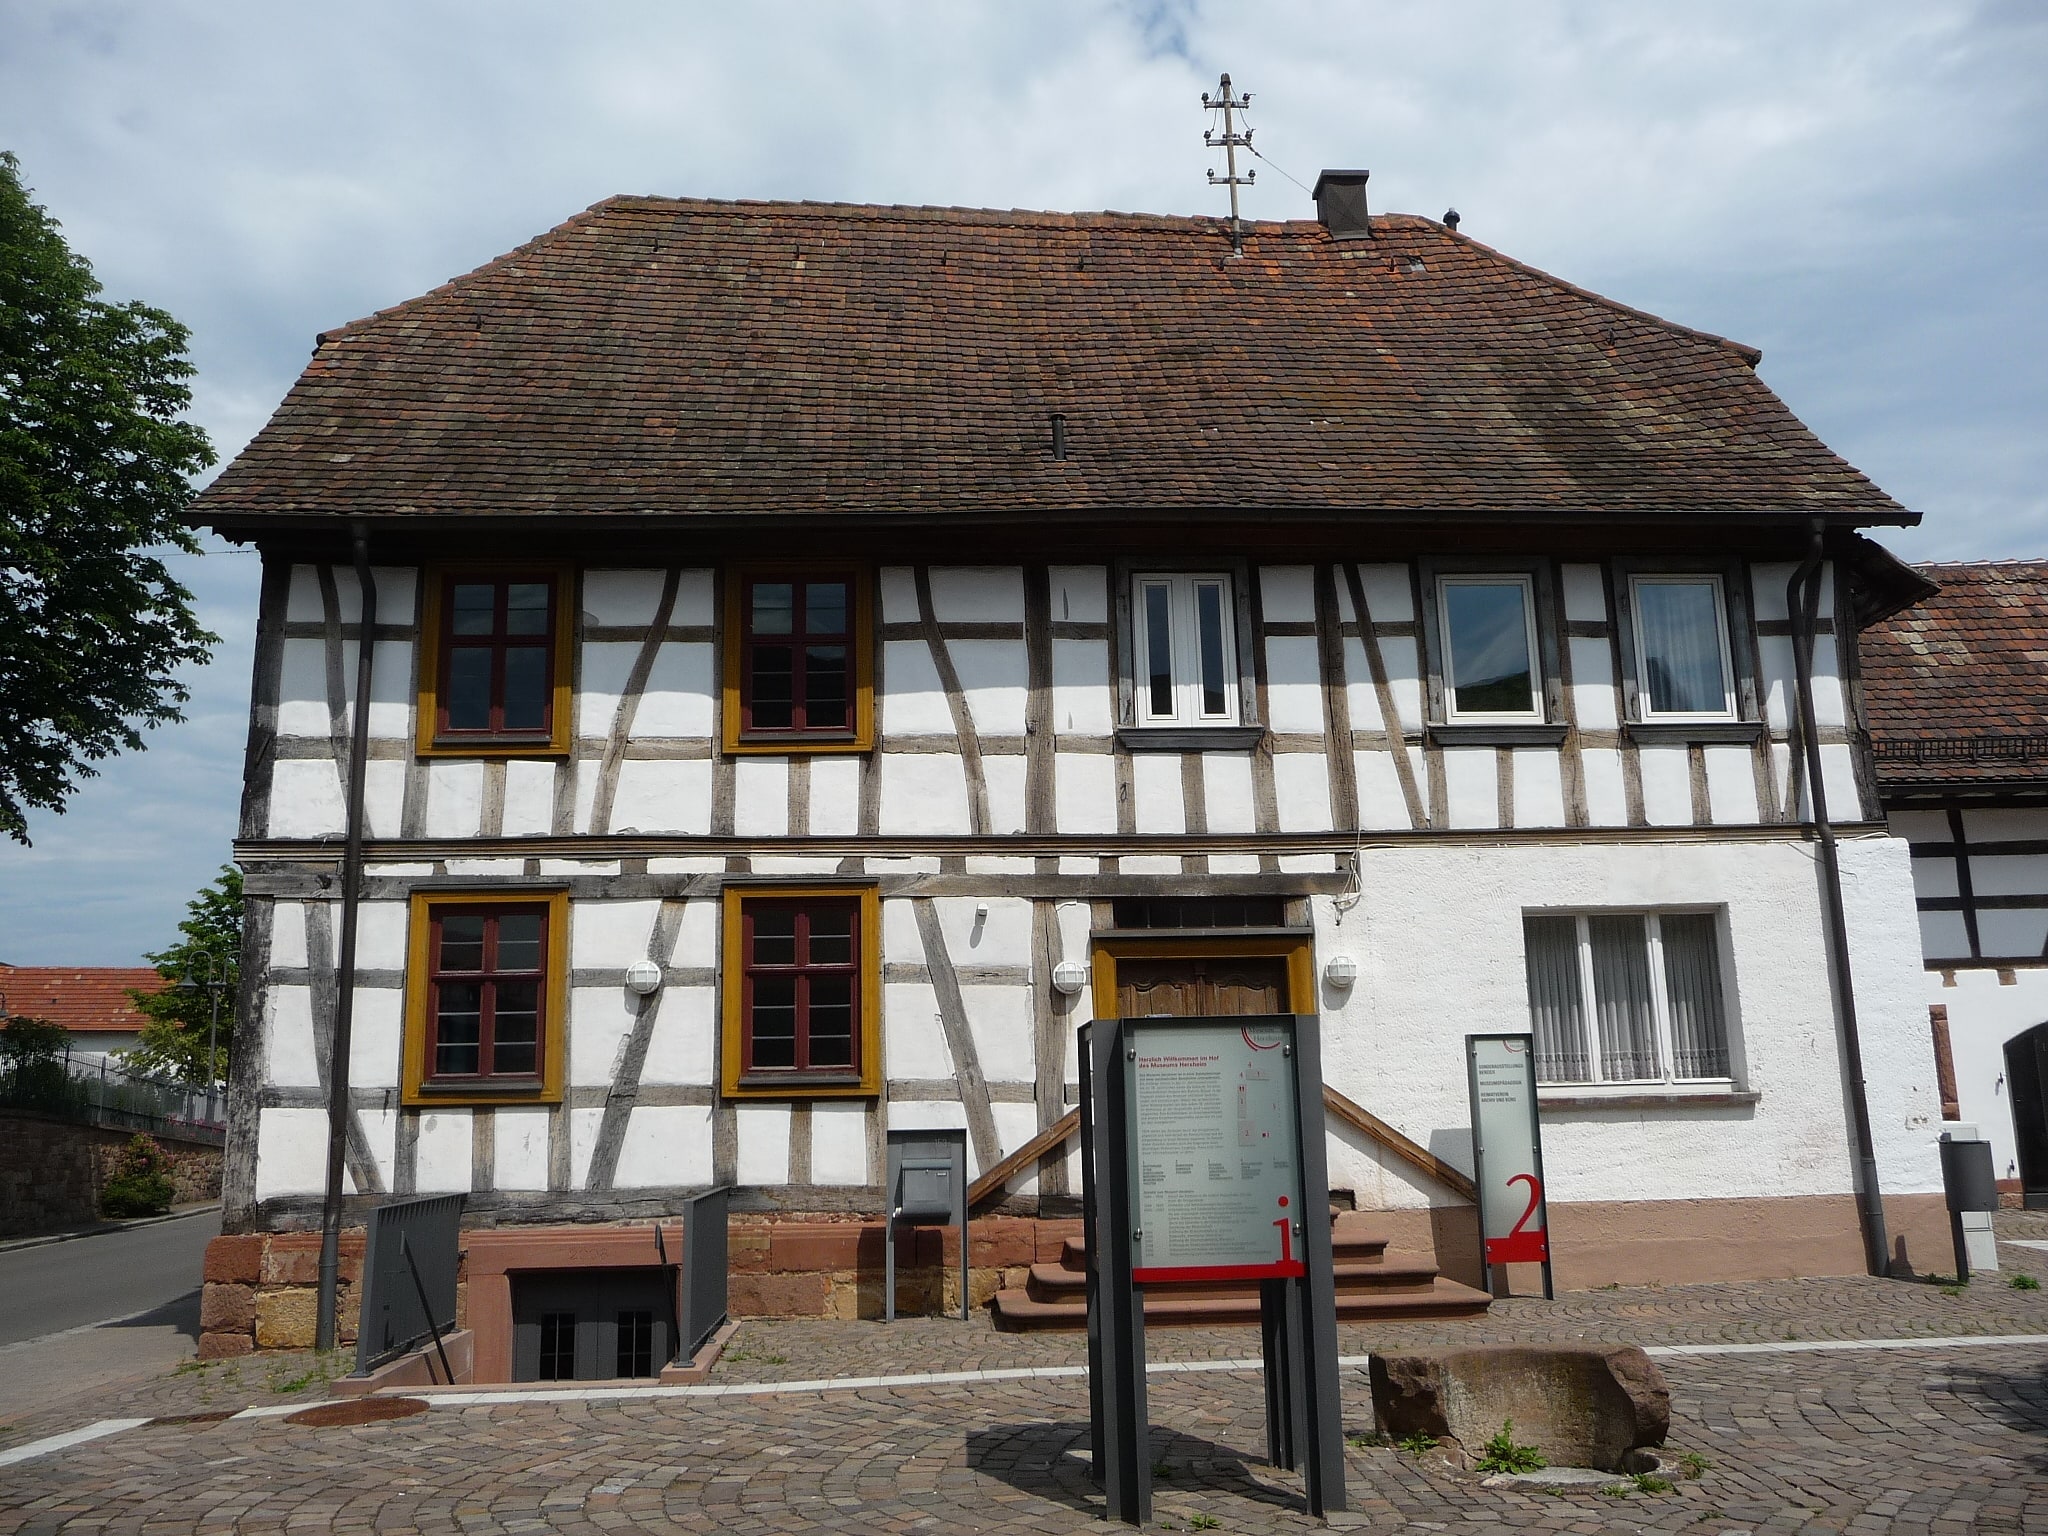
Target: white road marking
{"points": [[69, 1438], [1819, 1346]]}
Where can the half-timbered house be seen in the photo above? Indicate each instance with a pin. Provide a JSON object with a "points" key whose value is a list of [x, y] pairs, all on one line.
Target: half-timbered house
{"points": [[822, 654]]}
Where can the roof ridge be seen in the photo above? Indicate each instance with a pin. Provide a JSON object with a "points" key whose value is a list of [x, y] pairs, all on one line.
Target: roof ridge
{"points": [[1996, 561]]}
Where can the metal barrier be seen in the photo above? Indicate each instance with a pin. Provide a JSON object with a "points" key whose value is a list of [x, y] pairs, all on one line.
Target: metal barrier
{"points": [[408, 1287], [93, 1090], [704, 1270]]}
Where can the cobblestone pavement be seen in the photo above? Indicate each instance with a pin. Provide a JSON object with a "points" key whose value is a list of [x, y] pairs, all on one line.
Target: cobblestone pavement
{"points": [[1934, 1440]]}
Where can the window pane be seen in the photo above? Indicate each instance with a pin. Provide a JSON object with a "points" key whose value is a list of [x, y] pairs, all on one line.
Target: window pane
{"points": [[831, 936], [1681, 630], [1209, 623], [526, 688], [774, 608], [469, 689], [1488, 629], [824, 607], [516, 1028], [557, 1346], [1159, 651], [526, 608], [774, 935], [1621, 993], [824, 686], [773, 1021], [831, 1019], [636, 1344], [1556, 1011], [1692, 977], [472, 608], [774, 687], [519, 941], [462, 942], [458, 1028]]}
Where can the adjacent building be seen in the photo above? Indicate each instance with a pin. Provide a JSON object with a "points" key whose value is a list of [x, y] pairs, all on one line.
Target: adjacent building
{"points": [[822, 654]]}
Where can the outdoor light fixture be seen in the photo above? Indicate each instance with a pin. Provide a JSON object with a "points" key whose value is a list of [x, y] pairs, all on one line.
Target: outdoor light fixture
{"points": [[643, 977], [1340, 971], [1069, 977]]}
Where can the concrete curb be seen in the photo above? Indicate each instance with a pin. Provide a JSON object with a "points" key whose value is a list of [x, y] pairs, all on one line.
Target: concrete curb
{"points": [[102, 1229]]}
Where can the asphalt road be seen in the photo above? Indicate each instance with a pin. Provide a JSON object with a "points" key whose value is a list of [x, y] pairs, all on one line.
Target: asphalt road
{"points": [[56, 1286]]}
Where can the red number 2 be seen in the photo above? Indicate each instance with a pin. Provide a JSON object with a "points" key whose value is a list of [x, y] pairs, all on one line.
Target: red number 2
{"points": [[1535, 1195]]}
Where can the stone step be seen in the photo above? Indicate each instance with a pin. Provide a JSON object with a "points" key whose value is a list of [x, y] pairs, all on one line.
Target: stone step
{"points": [[1019, 1311], [1051, 1282], [1347, 1246]]}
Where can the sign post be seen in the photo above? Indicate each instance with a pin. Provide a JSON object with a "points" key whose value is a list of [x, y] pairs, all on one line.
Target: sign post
{"points": [[1203, 1161], [1507, 1153]]}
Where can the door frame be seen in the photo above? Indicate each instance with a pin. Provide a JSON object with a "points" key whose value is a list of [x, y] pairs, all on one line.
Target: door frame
{"points": [[1170, 944]]}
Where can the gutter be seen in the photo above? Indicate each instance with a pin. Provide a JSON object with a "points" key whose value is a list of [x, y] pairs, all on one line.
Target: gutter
{"points": [[1802, 601], [345, 969]]}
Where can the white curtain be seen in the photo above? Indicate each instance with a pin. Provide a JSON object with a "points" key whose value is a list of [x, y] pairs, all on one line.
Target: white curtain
{"points": [[1692, 976], [1621, 999], [1556, 1012], [1681, 632]]}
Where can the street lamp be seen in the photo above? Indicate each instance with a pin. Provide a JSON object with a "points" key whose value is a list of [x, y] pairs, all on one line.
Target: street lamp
{"points": [[213, 986]]}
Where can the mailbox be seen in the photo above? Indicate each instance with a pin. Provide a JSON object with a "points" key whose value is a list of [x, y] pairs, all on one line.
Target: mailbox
{"points": [[927, 1187]]}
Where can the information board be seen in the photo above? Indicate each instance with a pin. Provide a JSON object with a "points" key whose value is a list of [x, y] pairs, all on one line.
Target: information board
{"points": [[1507, 1150], [1214, 1149]]}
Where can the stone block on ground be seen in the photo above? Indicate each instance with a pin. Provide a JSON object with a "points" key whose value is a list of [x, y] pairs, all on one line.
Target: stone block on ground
{"points": [[287, 1319], [1580, 1405]]}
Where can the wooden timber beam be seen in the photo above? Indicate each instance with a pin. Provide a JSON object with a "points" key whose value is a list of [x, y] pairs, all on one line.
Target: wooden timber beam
{"points": [[1373, 1128], [1054, 1135]]}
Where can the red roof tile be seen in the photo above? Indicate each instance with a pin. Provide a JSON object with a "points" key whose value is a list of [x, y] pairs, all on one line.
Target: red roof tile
{"points": [[665, 357], [84, 999], [1956, 687]]}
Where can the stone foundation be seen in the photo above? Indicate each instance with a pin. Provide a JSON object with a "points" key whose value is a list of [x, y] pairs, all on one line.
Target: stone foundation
{"points": [[262, 1291], [52, 1170]]}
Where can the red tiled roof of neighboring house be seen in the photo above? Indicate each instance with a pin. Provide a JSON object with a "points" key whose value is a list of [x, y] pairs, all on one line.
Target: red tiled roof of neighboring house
{"points": [[1956, 687], [677, 358], [84, 999]]}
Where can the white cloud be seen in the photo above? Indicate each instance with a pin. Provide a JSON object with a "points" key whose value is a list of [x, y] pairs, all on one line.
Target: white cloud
{"points": [[1854, 185]]}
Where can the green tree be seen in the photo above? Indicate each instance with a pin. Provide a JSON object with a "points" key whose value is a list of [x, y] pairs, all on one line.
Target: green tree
{"points": [[181, 1019], [93, 467]]}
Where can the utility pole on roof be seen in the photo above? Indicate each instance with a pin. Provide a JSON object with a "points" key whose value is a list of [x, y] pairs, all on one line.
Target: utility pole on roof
{"points": [[1228, 142]]}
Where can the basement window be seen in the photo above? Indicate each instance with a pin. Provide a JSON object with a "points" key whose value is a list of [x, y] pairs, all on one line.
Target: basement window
{"points": [[1627, 997]]}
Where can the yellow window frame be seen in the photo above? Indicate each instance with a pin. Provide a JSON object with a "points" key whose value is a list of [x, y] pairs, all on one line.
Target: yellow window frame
{"points": [[414, 1090], [731, 1022], [1299, 953], [562, 734], [732, 636]]}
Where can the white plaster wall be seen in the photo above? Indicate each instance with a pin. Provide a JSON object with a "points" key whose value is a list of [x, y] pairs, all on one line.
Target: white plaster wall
{"points": [[999, 1020], [442, 1159], [678, 698], [1294, 684], [1288, 594], [520, 1144], [1595, 703], [761, 796], [839, 1142], [1539, 788], [1084, 792], [289, 1061], [1301, 784], [1403, 662], [376, 1038], [913, 698], [1003, 779], [1472, 786], [899, 594], [1080, 594], [621, 597], [455, 797], [1381, 803], [1731, 785], [1227, 791], [665, 1144], [977, 594], [994, 677], [1585, 593], [763, 1143], [606, 666], [305, 798], [656, 795], [923, 792], [1388, 593], [291, 1153], [835, 794], [1155, 792], [1983, 1014], [1083, 703], [1606, 787], [1667, 786], [600, 1018], [529, 797], [1443, 957]]}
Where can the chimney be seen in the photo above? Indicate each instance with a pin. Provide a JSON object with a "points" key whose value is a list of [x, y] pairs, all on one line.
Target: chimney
{"points": [[1340, 204]]}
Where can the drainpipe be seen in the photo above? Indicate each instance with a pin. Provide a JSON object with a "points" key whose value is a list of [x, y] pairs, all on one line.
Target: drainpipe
{"points": [[345, 969], [1802, 601]]}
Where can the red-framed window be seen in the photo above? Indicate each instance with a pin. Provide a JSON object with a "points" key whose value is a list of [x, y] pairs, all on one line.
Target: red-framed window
{"points": [[497, 664], [487, 992], [797, 654], [800, 983]]}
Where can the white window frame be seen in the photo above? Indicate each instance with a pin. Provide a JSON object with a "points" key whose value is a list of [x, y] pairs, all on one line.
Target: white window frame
{"points": [[1456, 716], [1184, 648], [1660, 1006], [1642, 657]]}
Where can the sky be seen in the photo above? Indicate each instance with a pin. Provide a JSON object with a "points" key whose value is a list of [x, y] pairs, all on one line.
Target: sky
{"points": [[1855, 186]]}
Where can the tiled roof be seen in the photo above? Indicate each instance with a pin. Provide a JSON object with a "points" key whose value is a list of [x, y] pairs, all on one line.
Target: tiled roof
{"points": [[1956, 687], [84, 999], [671, 357]]}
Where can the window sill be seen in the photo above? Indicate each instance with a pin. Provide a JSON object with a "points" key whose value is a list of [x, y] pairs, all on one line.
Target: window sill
{"points": [[1190, 738], [812, 1085], [1659, 1096], [530, 1091], [1480, 734], [494, 746], [796, 745], [1685, 733]]}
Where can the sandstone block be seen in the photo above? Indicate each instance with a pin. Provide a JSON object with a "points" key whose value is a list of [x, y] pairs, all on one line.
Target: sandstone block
{"points": [[287, 1319], [227, 1308], [746, 1250], [236, 1260], [779, 1295], [1580, 1405], [221, 1346], [291, 1266]]}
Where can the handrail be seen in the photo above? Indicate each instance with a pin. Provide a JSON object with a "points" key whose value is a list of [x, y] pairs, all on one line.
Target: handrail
{"points": [[1052, 1136], [1371, 1126], [1359, 1118]]}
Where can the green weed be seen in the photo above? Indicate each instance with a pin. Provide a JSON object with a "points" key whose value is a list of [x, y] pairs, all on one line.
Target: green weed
{"points": [[1366, 1442], [2024, 1283], [1419, 1444], [1954, 1290], [1503, 1454], [1692, 1463], [1619, 1490], [1650, 1482], [1202, 1522], [1162, 1469]]}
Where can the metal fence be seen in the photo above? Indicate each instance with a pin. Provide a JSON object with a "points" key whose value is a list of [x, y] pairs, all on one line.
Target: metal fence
{"points": [[99, 1091], [408, 1288], [704, 1269]]}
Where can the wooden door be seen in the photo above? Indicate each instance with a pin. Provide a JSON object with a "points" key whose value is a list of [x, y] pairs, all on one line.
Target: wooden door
{"points": [[1201, 985]]}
